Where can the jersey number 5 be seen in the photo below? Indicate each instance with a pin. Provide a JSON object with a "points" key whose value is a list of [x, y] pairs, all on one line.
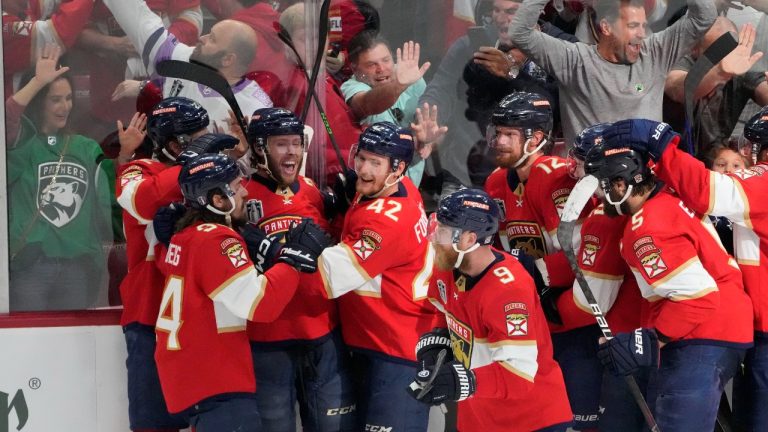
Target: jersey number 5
{"points": [[169, 320]]}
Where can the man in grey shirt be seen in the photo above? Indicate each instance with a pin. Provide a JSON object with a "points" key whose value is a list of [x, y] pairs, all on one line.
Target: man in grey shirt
{"points": [[623, 75]]}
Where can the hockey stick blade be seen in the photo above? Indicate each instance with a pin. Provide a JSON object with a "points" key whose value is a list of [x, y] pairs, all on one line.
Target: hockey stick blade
{"points": [[207, 76], [438, 364], [577, 200]]}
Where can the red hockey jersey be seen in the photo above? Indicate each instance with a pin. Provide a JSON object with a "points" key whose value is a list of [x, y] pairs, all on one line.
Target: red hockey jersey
{"points": [[211, 289], [608, 276], [383, 264], [499, 331], [143, 186], [694, 286], [48, 21], [741, 198], [309, 315], [531, 213]]}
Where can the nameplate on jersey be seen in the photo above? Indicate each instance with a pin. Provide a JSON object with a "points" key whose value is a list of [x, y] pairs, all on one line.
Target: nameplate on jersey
{"points": [[526, 236], [233, 249], [279, 224], [461, 340], [589, 250], [517, 319], [649, 256]]}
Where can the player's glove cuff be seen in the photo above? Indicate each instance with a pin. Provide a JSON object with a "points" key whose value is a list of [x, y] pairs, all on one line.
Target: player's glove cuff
{"points": [[628, 352]]}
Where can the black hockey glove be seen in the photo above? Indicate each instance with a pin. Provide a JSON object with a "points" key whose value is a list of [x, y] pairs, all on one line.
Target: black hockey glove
{"points": [[547, 295], [303, 245], [164, 222], [645, 136], [345, 190], [628, 352], [262, 249], [208, 143], [451, 382], [429, 346]]}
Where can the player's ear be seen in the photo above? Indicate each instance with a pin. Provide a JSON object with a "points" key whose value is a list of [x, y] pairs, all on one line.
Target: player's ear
{"points": [[605, 27]]}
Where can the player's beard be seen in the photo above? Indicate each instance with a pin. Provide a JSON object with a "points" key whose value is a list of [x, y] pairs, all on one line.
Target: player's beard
{"points": [[610, 209], [445, 257], [212, 60]]}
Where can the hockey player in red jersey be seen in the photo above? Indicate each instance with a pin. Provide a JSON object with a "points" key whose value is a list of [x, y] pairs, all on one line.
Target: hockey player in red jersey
{"points": [[532, 189], [740, 197], [143, 186], [700, 318], [611, 282], [211, 291], [380, 273], [29, 25], [501, 369], [300, 354]]}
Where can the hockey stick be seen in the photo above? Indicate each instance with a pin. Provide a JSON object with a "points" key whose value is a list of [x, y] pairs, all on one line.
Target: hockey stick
{"points": [[711, 56], [282, 33], [580, 195], [322, 32], [207, 76]]}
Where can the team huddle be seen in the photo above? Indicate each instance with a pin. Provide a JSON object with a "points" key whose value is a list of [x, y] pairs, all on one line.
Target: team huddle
{"points": [[367, 312]]}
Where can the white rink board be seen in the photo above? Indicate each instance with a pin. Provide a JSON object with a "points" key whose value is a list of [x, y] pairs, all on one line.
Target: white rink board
{"points": [[72, 378]]}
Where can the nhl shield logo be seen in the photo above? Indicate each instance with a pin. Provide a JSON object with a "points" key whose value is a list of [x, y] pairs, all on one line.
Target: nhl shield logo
{"points": [[61, 190], [442, 291], [255, 210]]}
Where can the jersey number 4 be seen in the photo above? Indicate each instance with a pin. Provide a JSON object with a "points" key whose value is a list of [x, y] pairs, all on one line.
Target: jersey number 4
{"points": [[169, 320]]}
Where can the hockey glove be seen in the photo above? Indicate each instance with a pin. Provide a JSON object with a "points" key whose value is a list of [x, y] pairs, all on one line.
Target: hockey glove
{"points": [[527, 261], [452, 382], [262, 249], [208, 143], [645, 136], [164, 222], [628, 352], [345, 190], [429, 346], [547, 295], [303, 245]]}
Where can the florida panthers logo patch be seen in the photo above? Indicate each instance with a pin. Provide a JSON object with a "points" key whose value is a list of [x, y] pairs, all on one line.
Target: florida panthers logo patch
{"points": [[559, 197], [234, 250], [589, 251], [132, 174], [461, 340], [370, 242], [527, 237], [649, 256], [517, 319], [61, 190]]}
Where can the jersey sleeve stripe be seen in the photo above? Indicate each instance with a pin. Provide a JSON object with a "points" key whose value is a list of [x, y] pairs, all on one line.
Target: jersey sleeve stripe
{"points": [[517, 356], [727, 198], [347, 274], [127, 201], [746, 245], [240, 295], [436, 303], [689, 281], [605, 291]]}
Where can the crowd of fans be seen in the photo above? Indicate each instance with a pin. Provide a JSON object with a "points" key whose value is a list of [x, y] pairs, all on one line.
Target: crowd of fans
{"points": [[81, 86]]}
